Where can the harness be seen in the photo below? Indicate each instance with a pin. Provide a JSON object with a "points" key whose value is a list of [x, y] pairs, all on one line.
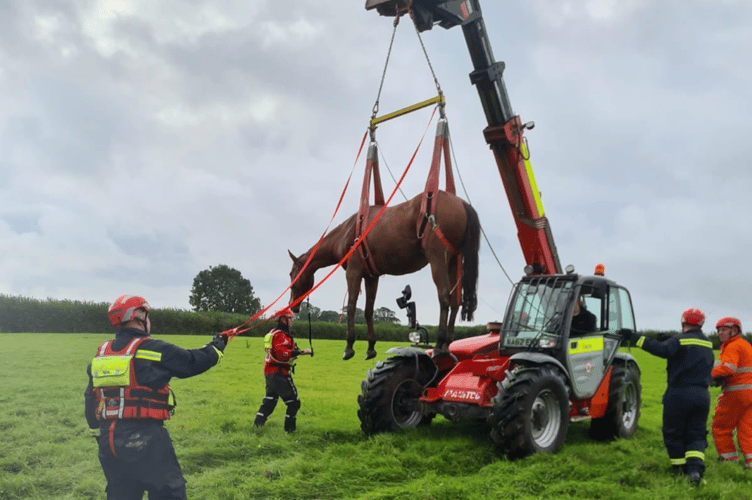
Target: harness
{"points": [[119, 396]]}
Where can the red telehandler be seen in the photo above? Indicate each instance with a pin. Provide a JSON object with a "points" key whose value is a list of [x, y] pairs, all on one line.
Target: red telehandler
{"points": [[543, 366]]}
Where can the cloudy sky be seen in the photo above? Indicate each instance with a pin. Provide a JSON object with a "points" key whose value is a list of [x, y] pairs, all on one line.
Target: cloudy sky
{"points": [[142, 142]]}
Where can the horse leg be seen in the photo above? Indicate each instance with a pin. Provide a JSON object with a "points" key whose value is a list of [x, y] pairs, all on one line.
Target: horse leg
{"points": [[353, 289], [372, 284], [443, 287]]}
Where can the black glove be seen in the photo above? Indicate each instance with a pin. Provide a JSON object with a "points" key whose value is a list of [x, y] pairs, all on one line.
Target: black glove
{"points": [[718, 381], [627, 334], [295, 353], [219, 341]]}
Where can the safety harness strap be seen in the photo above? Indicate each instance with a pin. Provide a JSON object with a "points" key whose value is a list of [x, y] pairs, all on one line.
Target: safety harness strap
{"points": [[372, 170]]}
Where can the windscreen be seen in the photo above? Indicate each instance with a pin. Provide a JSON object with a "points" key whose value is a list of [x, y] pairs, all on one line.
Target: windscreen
{"points": [[535, 311]]}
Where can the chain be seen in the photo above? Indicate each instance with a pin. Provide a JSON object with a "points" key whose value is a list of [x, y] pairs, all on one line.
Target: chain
{"points": [[430, 66], [386, 64]]}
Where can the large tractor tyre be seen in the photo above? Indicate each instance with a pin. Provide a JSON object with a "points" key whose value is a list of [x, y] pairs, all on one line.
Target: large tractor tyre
{"points": [[623, 410], [531, 415], [389, 395]]}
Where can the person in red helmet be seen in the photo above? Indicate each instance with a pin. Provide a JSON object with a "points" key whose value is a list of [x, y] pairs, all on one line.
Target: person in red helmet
{"points": [[128, 398], [733, 371], [686, 402], [280, 350]]}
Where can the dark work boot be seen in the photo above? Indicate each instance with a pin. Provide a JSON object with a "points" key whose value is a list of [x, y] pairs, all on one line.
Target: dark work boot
{"points": [[694, 477], [259, 422], [289, 424]]}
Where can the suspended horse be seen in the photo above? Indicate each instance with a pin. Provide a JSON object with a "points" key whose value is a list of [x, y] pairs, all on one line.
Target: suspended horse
{"points": [[449, 242], [435, 227]]}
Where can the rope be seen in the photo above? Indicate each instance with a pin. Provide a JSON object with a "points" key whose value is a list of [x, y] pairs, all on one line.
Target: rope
{"points": [[467, 196], [370, 226]]}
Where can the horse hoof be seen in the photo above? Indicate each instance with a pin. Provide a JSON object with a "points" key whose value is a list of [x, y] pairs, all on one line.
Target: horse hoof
{"points": [[370, 354], [349, 353]]}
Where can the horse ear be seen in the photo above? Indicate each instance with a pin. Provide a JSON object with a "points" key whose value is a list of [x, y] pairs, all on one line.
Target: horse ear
{"points": [[292, 256]]}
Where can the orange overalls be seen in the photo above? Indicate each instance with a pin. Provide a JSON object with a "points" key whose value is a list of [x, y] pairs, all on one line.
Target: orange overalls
{"points": [[734, 408]]}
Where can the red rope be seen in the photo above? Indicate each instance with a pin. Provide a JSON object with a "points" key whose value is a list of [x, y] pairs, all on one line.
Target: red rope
{"points": [[237, 330]]}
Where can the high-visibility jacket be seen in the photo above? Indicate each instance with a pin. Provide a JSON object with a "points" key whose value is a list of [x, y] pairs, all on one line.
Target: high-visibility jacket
{"points": [[153, 364], [279, 347], [119, 395], [734, 365], [689, 357]]}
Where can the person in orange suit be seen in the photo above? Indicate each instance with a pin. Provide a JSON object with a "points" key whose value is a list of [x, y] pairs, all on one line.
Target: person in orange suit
{"points": [[733, 371]]}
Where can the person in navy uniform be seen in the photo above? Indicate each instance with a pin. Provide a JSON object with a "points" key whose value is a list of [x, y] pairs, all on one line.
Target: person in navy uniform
{"points": [[128, 398], [686, 402]]}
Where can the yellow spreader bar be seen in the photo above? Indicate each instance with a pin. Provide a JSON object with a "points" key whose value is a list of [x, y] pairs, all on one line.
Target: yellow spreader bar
{"points": [[438, 99]]}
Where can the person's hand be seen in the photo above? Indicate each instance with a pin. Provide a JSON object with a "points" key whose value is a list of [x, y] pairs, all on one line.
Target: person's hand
{"points": [[219, 341], [627, 334], [718, 381], [306, 352], [95, 434]]}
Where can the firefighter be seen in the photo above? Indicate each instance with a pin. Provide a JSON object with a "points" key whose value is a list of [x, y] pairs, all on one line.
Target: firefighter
{"points": [[733, 371], [686, 402], [280, 350], [129, 398]]}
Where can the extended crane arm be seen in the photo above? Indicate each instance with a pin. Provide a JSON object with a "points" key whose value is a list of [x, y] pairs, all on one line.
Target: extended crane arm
{"points": [[505, 131]]}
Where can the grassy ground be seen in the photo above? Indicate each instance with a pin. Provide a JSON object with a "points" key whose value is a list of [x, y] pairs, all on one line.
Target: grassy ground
{"points": [[46, 453]]}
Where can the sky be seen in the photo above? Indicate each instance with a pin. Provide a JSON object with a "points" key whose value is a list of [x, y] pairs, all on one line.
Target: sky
{"points": [[142, 142]]}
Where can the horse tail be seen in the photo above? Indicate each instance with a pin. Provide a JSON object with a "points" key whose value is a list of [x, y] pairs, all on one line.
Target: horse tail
{"points": [[470, 249]]}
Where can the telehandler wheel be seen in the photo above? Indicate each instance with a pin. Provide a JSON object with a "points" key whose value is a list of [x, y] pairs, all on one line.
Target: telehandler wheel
{"points": [[390, 393], [531, 414], [624, 399]]}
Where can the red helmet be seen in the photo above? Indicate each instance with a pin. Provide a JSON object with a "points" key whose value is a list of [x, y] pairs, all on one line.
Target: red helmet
{"points": [[284, 313], [729, 321], [693, 317], [123, 308]]}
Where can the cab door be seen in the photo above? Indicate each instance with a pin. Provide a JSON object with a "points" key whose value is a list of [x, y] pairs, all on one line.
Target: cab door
{"points": [[585, 352]]}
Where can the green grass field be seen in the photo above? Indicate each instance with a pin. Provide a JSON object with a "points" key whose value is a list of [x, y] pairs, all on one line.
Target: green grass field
{"points": [[46, 452]]}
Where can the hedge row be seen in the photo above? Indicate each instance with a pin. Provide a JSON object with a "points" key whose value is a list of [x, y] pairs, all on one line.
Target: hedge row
{"points": [[23, 314]]}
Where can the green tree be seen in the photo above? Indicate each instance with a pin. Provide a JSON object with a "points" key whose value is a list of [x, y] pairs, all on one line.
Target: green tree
{"points": [[222, 288], [385, 315], [305, 309]]}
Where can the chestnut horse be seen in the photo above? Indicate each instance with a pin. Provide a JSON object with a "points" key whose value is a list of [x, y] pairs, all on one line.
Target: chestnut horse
{"points": [[395, 248]]}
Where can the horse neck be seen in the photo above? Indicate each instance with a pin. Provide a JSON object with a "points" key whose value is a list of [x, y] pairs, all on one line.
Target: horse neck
{"points": [[329, 252]]}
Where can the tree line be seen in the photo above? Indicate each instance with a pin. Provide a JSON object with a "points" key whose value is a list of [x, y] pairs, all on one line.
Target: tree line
{"points": [[223, 288]]}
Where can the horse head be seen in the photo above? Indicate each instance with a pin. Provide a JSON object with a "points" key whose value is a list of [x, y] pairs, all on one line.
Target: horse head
{"points": [[304, 282]]}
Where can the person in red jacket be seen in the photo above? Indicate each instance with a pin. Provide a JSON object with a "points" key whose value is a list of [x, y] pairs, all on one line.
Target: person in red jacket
{"points": [[281, 350], [733, 371], [128, 398]]}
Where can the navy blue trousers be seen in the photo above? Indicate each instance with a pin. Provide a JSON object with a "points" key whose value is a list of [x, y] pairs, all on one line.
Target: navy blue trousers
{"points": [[685, 417]]}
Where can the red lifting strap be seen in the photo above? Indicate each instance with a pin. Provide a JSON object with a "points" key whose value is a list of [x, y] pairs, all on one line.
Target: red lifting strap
{"points": [[372, 170], [428, 204], [427, 208]]}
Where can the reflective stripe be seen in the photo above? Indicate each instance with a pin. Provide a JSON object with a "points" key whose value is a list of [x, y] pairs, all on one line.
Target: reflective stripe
{"points": [[587, 344], [748, 456], [695, 454], [743, 370], [640, 341], [729, 365], [149, 355], [697, 342], [729, 456], [740, 387], [219, 354], [678, 461], [531, 178]]}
